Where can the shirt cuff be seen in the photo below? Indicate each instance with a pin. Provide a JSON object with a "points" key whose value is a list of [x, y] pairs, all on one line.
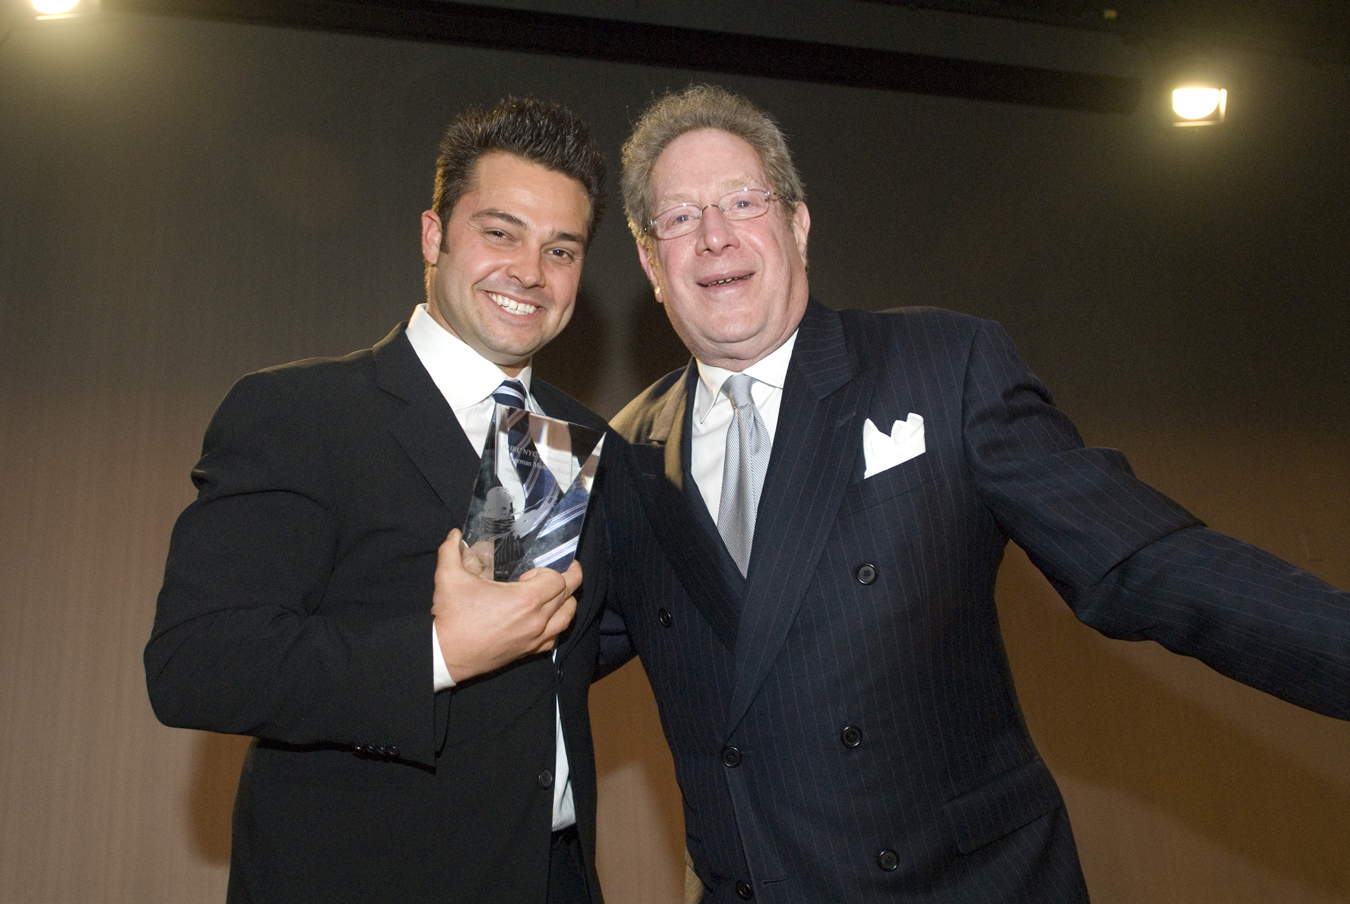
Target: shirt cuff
{"points": [[440, 672]]}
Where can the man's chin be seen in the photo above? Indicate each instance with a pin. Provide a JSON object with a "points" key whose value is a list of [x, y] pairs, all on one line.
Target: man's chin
{"points": [[516, 353]]}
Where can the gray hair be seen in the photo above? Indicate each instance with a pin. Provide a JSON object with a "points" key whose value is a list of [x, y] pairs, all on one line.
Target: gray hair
{"points": [[702, 107]]}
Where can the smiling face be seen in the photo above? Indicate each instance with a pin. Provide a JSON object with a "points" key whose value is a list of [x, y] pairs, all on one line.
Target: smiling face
{"points": [[508, 261], [734, 291]]}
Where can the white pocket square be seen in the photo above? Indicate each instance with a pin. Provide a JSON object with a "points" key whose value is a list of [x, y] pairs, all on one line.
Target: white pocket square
{"points": [[881, 451]]}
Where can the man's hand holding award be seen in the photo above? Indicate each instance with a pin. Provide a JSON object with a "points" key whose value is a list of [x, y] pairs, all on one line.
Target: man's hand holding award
{"points": [[505, 586], [534, 483]]}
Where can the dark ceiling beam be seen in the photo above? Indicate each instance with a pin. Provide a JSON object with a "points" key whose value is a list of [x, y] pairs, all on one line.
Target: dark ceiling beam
{"points": [[1317, 31], [667, 46]]}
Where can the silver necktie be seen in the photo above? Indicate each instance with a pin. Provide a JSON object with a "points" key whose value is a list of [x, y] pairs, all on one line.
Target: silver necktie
{"points": [[747, 458]]}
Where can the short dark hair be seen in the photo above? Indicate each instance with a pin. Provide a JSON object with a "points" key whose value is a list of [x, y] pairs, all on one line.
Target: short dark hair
{"points": [[703, 107], [545, 133]]}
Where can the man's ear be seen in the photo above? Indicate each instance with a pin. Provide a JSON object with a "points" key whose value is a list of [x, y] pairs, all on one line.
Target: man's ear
{"points": [[431, 236], [651, 267], [801, 226]]}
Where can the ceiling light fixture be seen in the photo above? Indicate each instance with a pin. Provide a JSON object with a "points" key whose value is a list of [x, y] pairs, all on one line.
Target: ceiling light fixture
{"points": [[1199, 105], [63, 9]]}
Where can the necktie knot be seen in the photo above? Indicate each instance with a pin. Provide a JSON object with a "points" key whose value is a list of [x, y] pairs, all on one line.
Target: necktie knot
{"points": [[510, 392], [737, 388], [536, 480]]}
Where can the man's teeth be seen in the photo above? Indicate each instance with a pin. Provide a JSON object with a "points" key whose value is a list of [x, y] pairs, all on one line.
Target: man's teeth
{"points": [[511, 305], [723, 282]]}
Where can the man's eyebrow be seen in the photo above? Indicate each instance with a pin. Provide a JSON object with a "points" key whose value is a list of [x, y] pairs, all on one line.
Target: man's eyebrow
{"points": [[493, 214], [726, 185], [513, 220]]}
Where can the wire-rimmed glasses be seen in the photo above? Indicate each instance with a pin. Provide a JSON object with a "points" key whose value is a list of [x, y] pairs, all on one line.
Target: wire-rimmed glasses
{"points": [[682, 219]]}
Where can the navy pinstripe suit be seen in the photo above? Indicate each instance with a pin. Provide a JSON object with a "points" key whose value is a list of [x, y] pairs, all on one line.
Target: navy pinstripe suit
{"points": [[843, 721]]}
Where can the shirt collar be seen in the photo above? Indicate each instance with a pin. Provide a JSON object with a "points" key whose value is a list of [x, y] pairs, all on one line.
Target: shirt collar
{"points": [[771, 369], [462, 375]]}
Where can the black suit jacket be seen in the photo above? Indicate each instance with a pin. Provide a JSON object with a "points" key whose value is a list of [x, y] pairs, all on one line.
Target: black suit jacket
{"points": [[296, 608], [843, 721]]}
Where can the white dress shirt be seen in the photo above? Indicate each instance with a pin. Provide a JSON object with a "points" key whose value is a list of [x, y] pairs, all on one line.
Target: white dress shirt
{"points": [[467, 380], [713, 416]]}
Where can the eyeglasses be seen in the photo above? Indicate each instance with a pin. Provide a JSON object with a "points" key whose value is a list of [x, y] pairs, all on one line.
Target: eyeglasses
{"points": [[682, 219]]}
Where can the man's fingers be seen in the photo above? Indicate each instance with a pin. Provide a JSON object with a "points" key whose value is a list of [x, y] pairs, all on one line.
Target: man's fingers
{"points": [[477, 559], [448, 555], [550, 585], [559, 585], [561, 618], [573, 577], [484, 624], [556, 624]]}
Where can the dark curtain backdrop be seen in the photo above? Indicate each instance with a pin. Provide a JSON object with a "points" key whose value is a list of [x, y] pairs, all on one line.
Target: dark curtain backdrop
{"points": [[182, 202]]}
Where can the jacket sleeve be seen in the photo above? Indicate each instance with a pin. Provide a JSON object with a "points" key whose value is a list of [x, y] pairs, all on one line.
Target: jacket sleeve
{"points": [[1131, 562], [243, 641]]}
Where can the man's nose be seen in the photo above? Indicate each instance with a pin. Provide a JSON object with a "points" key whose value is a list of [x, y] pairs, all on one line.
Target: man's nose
{"points": [[715, 230], [526, 268]]}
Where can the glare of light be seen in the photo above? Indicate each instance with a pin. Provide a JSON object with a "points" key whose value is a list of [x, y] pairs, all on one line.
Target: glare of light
{"points": [[1194, 104], [54, 7]]}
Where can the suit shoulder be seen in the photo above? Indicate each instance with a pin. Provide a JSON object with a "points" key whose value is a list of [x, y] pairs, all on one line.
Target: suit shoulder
{"points": [[635, 422], [317, 372], [919, 319], [302, 390], [913, 333]]}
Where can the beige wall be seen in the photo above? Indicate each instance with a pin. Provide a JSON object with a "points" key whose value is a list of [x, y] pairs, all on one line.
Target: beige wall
{"points": [[183, 202], [1182, 786]]}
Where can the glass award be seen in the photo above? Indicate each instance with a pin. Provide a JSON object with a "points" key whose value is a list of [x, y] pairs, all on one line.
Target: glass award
{"points": [[529, 503]]}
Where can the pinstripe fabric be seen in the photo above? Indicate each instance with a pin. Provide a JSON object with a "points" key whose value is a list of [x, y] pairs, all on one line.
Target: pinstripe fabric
{"points": [[938, 779]]}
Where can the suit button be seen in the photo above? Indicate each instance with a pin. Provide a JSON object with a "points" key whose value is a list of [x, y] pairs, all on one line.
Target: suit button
{"points": [[731, 757], [866, 573], [663, 616], [360, 749], [546, 778], [888, 860], [743, 890], [851, 736]]}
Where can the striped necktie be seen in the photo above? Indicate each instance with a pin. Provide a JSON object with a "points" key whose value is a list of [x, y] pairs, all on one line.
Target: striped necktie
{"points": [[540, 487]]}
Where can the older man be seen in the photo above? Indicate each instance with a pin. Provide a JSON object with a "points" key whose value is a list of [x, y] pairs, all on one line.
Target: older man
{"points": [[805, 547], [422, 732]]}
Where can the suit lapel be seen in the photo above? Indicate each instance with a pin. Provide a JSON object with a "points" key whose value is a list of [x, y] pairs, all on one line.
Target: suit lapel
{"points": [[430, 435], [815, 457], [672, 505], [427, 429]]}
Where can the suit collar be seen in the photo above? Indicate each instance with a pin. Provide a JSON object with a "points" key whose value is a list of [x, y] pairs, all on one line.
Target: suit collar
{"points": [[814, 459], [824, 357], [426, 429], [768, 371], [658, 454], [462, 375], [431, 436]]}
